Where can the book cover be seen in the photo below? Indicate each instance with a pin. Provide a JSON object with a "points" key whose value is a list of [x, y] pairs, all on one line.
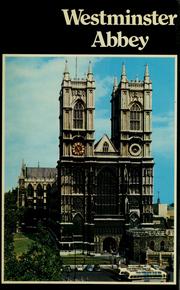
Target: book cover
{"points": [[90, 144]]}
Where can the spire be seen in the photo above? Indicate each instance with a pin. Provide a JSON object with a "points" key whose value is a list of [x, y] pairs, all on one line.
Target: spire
{"points": [[123, 69], [147, 71], [90, 68], [89, 72], [146, 74], [66, 67], [123, 74], [66, 71], [158, 200], [115, 84], [22, 169]]}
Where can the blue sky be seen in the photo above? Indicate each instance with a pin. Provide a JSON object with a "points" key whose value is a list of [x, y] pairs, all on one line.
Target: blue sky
{"points": [[32, 86]]}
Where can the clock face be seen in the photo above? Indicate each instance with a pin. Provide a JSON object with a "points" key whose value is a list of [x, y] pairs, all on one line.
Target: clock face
{"points": [[78, 149], [135, 149]]}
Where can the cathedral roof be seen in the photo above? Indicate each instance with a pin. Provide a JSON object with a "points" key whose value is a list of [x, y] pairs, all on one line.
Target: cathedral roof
{"points": [[41, 172]]}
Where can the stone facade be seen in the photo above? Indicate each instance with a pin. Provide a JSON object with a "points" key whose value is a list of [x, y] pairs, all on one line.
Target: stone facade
{"points": [[35, 188], [144, 244], [107, 187]]}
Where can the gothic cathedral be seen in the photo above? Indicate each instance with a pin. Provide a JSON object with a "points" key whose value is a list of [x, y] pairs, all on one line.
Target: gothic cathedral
{"points": [[105, 188]]}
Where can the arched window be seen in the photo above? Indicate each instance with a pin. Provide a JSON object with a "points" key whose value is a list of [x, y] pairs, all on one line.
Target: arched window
{"points": [[39, 190], [162, 244], [135, 117], [78, 116], [107, 186], [151, 245], [30, 191], [105, 147], [78, 224]]}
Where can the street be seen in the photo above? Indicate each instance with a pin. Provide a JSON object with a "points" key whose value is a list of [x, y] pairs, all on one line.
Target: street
{"points": [[103, 275]]}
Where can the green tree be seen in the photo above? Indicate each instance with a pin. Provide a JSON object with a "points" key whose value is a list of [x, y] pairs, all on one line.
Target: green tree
{"points": [[40, 263], [10, 221]]}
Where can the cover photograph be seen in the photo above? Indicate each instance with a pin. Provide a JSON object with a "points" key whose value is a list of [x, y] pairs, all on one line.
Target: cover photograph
{"points": [[90, 146]]}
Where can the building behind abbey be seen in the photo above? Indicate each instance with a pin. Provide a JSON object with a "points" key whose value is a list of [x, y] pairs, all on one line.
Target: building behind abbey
{"points": [[100, 196]]}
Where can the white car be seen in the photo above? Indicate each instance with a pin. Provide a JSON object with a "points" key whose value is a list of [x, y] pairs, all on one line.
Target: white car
{"points": [[79, 268], [89, 268]]}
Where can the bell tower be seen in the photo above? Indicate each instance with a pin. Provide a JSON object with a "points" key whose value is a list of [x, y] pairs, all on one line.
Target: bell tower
{"points": [[131, 130], [131, 115], [76, 115], [75, 156]]}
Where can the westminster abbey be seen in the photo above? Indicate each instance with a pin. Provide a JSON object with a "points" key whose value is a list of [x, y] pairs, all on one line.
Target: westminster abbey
{"points": [[99, 190]]}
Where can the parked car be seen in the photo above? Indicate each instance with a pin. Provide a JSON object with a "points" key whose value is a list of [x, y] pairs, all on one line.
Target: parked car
{"points": [[97, 268], [89, 268], [79, 268]]}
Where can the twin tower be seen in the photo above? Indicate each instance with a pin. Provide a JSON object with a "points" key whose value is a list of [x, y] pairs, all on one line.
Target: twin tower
{"points": [[105, 188]]}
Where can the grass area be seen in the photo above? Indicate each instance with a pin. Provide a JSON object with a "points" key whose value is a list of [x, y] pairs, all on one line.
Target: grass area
{"points": [[83, 259], [21, 243]]}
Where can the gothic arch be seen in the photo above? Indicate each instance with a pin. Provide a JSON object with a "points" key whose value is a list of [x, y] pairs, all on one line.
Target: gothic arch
{"points": [[131, 104], [78, 115], [39, 190], [136, 139], [105, 147], [151, 245], [135, 116], [78, 223], [109, 245], [78, 138], [107, 187], [78, 101], [111, 169], [30, 190]]}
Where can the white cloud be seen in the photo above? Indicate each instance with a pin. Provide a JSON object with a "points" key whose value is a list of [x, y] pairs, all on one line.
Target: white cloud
{"points": [[104, 87], [165, 119], [163, 134]]}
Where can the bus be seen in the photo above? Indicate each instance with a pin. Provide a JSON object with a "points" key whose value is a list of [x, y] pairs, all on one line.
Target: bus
{"points": [[141, 273]]}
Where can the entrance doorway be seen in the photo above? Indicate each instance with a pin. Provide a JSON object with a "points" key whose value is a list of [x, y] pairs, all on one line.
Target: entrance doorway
{"points": [[109, 245]]}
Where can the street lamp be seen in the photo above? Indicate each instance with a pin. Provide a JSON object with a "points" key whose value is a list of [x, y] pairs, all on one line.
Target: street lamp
{"points": [[74, 258], [61, 231]]}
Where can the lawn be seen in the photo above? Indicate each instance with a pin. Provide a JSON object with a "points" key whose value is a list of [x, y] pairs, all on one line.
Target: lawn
{"points": [[21, 243], [83, 259]]}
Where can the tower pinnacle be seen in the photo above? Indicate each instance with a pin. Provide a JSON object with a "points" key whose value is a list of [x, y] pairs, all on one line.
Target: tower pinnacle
{"points": [[22, 169], [146, 74], [115, 84], [66, 71], [90, 68], [123, 74], [89, 72]]}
